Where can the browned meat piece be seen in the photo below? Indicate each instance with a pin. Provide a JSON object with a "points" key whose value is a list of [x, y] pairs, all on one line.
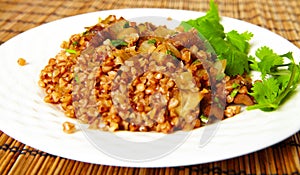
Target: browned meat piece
{"points": [[243, 99], [187, 39]]}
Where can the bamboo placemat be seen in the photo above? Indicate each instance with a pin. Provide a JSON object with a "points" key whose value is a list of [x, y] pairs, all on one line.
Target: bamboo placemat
{"points": [[279, 16]]}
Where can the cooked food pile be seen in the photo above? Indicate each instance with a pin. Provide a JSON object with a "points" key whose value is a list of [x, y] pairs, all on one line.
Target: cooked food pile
{"points": [[120, 75]]}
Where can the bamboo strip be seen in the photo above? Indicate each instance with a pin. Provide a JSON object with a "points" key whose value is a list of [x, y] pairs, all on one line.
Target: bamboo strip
{"points": [[80, 167], [181, 171], [89, 168], [3, 138], [113, 170], [210, 166], [279, 161], [45, 164], [156, 171], [160, 171], [94, 169], [263, 162], [257, 167], [102, 169], [75, 168], [224, 165], [287, 164], [59, 166], [193, 172], [9, 157], [123, 170], [271, 163], [64, 166], [297, 140], [53, 165], [5, 142], [217, 167], [230, 165], [27, 164], [69, 167], [241, 161], [294, 159], [18, 166], [34, 164], [169, 171], [84, 168], [8, 163]]}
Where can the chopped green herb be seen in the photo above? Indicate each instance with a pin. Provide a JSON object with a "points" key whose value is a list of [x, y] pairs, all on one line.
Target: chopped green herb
{"points": [[216, 99], [76, 78], [168, 52], [75, 43], [71, 51], [234, 93], [235, 85], [196, 61], [118, 42], [151, 41], [204, 118], [126, 25]]}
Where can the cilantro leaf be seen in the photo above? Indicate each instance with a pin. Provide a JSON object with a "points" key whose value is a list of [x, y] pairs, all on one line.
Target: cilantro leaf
{"points": [[240, 41], [237, 62], [272, 90], [231, 46], [265, 93], [269, 61]]}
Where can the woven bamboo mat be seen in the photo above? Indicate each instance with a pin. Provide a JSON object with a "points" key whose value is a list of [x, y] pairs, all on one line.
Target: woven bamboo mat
{"points": [[279, 16]]}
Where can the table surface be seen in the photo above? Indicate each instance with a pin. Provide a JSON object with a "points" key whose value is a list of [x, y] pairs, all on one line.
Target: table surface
{"points": [[279, 16]]}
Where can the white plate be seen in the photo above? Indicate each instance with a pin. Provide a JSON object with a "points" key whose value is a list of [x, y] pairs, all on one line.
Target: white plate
{"points": [[25, 117]]}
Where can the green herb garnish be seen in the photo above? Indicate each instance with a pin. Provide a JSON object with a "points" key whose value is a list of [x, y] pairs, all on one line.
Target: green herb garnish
{"points": [[276, 83], [234, 93], [151, 41], [76, 78], [71, 51], [196, 61], [204, 118], [118, 42], [235, 85], [168, 52], [231, 46], [126, 25], [75, 43], [279, 79]]}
